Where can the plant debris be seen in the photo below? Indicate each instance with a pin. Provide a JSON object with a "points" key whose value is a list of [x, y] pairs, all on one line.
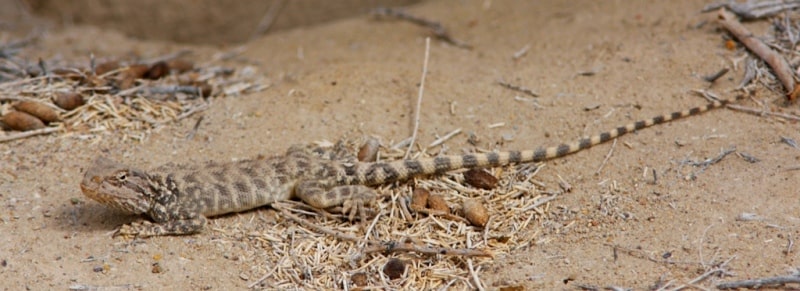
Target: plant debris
{"points": [[129, 95], [405, 246]]}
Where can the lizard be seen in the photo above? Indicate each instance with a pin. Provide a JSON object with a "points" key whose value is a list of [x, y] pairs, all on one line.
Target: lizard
{"points": [[179, 198]]}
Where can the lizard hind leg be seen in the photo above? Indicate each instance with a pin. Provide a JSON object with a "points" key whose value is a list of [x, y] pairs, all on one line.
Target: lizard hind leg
{"points": [[337, 152], [353, 198]]}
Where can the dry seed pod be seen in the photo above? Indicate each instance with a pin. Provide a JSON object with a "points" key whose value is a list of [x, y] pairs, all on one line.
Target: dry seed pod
{"points": [[479, 178], [157, 71], [436, 202], [38, 110], [369, 151], [69, 100], [128, 77], [419, 198], [62, 71], [188, 79], [106, 67], [205, 88], [136, 71], [475, 212], [394, 268], [22, 121], [72, 74], [126, 82], [359, 279], [93, 81], [180, 66]]}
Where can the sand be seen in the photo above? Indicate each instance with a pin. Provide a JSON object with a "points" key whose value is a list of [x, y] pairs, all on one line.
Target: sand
{"points": [[594, 64]]}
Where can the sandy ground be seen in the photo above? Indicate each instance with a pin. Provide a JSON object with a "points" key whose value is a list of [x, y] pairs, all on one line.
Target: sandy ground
{"points": [[360, 76]]}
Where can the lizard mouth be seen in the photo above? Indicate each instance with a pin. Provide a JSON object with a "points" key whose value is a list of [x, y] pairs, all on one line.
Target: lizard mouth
{"points": [[112, 184], [94, 191]]}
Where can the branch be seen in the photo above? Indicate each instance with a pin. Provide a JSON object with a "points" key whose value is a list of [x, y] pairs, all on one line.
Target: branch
{"points": [[778, 64]]}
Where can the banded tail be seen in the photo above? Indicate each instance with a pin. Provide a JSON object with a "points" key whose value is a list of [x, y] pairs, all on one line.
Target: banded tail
{"points": [[379, 173]]}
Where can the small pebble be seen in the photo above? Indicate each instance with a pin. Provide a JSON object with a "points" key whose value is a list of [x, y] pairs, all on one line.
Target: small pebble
{"points": [[157, 268]]}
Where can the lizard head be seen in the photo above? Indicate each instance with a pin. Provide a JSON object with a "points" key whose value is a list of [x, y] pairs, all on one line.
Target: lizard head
{"points": [[118, 186]]}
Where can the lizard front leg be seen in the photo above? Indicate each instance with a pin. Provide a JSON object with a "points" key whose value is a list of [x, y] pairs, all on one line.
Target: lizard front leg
{"points": [[353, 198], [171, 227]]}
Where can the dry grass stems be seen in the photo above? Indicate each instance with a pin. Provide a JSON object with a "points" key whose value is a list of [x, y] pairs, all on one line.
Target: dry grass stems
{"points": [[776, 61], [131, 97], [306, 248]]}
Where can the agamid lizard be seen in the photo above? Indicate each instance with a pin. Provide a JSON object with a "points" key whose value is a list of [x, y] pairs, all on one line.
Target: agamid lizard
{"points": [[179, 198]]}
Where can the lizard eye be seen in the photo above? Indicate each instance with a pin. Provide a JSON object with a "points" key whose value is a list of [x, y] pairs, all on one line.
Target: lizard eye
{"points": [[122, 176]]}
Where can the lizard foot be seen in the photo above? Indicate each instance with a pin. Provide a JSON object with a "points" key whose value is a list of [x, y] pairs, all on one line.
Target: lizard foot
{"points": [[359, 203], [176, 227]]}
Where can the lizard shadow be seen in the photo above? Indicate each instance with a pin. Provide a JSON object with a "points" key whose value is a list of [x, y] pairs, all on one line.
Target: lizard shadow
{"points": [[89, 217]]}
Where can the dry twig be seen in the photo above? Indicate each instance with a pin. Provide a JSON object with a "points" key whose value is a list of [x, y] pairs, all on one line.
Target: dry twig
{"points": [[438, 30], [762, 112], [443, 214], [751, 10], [444, 138], [762, 282], [608, 156], [419, 96], [269, 18], [713, 77], [641, 254], [393, 247], [342, 236], [778, 64], [30, 133], [518, 88]]}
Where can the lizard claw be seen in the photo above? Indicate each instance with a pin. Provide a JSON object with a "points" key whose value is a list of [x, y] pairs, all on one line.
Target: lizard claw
{"points": [[125, 230], [351, 207], [358, 204], [133, 229]]}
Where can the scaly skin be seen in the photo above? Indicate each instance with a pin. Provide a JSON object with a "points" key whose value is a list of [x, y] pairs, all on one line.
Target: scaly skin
{"points": [[179, 198]]}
